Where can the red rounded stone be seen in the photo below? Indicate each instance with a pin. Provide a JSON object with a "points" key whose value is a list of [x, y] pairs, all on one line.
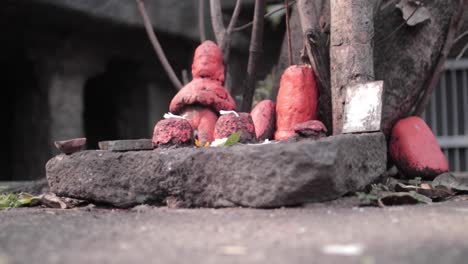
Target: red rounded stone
{"points": [[208, 62], [415, 150], [311, 129], [296, 101], [229, 124], [203, 122], [172, 131], [264, 118], [203, 92]]}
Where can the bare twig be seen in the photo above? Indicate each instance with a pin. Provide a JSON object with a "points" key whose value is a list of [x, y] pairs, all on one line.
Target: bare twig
{"points": [[217, 20], [201, 20], [462, 35], [185, 78], [288, 32], [255, 50], [239, 28], [432, 82], [157, 46], [465, 48], [226, 44], [462, 52]]}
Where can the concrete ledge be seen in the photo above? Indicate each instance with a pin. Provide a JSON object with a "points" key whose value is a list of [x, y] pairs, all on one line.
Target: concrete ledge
{"points": [[260, 176]]}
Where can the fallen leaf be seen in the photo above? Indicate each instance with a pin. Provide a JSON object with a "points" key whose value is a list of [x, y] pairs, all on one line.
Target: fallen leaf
{"points": [[53, 201], [402, 198], [413, 12], [233, 139], [457, 184]]}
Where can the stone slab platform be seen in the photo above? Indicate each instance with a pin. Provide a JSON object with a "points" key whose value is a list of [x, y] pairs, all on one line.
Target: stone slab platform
{"points": [[261, 176]]}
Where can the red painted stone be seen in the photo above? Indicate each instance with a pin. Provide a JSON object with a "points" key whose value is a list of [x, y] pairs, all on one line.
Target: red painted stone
{"points": [[203, 122], [172, 131], [208, 62], [314, 129], [297, 100], [415, 150], [204, 92], [229, 124], [264, 118]]}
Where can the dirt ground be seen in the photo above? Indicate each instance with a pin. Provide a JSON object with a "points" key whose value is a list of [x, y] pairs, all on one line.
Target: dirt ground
{"points": [[318, 233]]}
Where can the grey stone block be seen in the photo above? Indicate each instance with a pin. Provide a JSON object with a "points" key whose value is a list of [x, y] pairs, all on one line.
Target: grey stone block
{"points": [[126, 145], [262, 176]]}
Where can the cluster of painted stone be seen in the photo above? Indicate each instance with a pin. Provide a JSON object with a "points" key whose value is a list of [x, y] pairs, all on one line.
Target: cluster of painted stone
{"points": [[199, 103]]}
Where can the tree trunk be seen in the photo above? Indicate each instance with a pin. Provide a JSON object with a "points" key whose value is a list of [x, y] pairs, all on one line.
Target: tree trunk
{"points": [[403, 56], [351, 58]]}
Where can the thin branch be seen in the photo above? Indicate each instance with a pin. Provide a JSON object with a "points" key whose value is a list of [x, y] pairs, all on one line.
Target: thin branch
{"points": [[201, 20], [384, 39], [265, 16], [157, 46], [255, 49], [462, 35], [462, 52], [217, 20], [434, 79], [185, 78], [288, 32], [226, 44]]}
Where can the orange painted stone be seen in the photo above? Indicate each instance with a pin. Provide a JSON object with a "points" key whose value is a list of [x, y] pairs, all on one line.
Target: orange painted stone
{"points": [[313, 129], [204, 92], [203, 122], [415, 150], [264, 118], [208, 62], [230, 123], [297, 100], [172, 131]]}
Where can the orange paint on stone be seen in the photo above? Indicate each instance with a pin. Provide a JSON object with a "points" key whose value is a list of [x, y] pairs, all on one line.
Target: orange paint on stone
{"points": [[172, 131], [230, 123], [415, 150], [264, 118], [208, 62], [204, 92], [297, 100], [203, 122]]}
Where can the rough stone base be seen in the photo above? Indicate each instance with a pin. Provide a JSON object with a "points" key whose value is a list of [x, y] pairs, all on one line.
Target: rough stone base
{"points": [[261, 176]]}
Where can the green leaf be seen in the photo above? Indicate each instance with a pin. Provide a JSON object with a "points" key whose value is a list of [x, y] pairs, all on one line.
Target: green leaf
{"points": [[278, 15], [16, 200], [233, 139]]}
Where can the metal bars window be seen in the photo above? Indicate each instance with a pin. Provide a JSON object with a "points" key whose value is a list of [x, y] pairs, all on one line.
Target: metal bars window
{"points": [[447, 114]]}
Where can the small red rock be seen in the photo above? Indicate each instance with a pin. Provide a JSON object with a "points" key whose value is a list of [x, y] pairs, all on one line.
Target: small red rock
{"points": [[203, 92], [208, 62], [311, 129], [71, 145], [172, 131], [297, 100], [415, 150], [203, 122], [230, 123], [264, 118]]}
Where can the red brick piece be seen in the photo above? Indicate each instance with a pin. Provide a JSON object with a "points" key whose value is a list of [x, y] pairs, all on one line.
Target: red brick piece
{"points": [[415, 150], [297, 100], [264, 118], [313, 129], [172, 131], [230, 123]]}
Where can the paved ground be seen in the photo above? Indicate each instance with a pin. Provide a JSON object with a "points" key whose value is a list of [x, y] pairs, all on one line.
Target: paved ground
{"points": [[412, 234]]}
